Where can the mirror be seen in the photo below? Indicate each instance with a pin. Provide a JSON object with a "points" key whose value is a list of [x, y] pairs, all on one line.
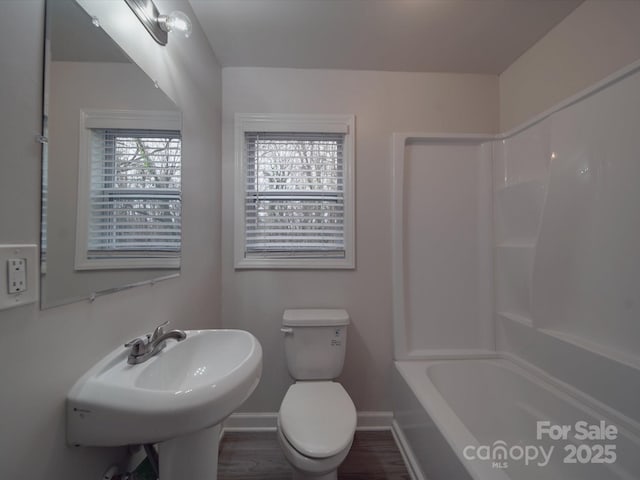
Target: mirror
{"points": [[111, 188]]}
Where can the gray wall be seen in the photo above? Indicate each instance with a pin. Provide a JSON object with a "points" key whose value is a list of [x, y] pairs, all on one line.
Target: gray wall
{"points": [[596, 39], [43, 353], [383, 103]]}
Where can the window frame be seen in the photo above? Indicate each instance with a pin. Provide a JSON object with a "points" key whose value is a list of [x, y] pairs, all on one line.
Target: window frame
{"points": [[115, 119], [293, 123]]}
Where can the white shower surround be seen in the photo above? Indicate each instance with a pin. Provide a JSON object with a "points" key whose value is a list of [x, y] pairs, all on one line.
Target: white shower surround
{"points": [[476, 151], [577, 364]]}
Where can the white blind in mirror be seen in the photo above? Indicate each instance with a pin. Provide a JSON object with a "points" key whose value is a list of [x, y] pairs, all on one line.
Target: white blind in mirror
{"points": [[134, 193]]}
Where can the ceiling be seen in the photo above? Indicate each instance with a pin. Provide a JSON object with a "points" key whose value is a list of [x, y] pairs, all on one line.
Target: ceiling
{"points": [[464, 36]]}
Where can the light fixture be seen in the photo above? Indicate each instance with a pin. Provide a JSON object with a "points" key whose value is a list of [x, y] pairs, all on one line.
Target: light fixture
{"points": [[176, 21], [159, 25]]}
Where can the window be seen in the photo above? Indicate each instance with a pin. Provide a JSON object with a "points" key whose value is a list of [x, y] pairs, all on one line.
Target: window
{"points": [[44, 198], [294, 181], [129, 202]]}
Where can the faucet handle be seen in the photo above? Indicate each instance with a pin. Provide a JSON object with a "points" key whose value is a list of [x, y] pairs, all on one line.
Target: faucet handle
{"points": [[159, 331], [138, 346]]}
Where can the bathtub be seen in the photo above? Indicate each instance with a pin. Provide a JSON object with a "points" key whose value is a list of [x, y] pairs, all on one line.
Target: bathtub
{"points": [[473, 418]]}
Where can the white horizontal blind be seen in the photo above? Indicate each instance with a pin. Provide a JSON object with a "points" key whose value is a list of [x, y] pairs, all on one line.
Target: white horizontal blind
{"points": [[294, 204], [135, 194], [44, 198]]}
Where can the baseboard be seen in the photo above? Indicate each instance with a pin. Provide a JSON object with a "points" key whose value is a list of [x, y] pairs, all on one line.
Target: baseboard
{"points": [[409, 458], [267, 421], [377, 420], [251, 422]]}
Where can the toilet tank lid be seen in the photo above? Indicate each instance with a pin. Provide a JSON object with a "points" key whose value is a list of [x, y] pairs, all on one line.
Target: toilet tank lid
{"points": [[315, 317]]}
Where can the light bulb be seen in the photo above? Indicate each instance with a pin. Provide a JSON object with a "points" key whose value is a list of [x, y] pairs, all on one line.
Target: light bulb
{"points": [[176, 21]]}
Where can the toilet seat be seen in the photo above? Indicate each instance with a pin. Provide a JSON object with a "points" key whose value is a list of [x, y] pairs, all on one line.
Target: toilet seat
{"points": [[318, 419], [312, 467]]}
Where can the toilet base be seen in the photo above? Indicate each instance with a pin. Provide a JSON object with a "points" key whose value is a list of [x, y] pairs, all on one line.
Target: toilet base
{"points": [[298, 475]]}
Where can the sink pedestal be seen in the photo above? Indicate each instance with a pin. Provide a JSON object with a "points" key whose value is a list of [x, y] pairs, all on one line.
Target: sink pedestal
{"points": [[193, 456]]}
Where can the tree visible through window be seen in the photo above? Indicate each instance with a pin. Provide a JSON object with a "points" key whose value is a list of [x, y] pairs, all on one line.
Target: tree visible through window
{"points": [[294, 195], [135, 194]]}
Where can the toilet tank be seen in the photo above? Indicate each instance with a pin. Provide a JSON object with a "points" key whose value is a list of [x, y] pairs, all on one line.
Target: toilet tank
{"points": [[315, 341]]}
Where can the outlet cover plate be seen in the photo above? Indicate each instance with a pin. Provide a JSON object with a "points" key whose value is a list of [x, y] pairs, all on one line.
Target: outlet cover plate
{"points": [[30, 295]]}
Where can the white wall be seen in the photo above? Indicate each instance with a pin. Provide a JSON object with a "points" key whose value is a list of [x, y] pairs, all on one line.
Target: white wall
{"points": [[595, 40], [383, 103], [43, 353]]}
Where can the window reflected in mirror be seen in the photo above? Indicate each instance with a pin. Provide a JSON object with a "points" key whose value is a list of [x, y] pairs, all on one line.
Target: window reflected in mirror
{"points": [[111, 171]]}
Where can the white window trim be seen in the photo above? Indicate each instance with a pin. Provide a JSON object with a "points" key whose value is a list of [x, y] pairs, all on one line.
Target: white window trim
{"points": [[245, 122], [95, 119]]}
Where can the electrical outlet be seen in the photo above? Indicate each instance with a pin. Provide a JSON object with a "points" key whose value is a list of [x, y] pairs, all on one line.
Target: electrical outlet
{"points": [[19, 282], [16, 275]]}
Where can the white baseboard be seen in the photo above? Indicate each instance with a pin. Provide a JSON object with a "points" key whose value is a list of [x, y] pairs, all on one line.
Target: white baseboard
{"points": [[267, 421], [377, 420], [407, 454], [251, 422]]}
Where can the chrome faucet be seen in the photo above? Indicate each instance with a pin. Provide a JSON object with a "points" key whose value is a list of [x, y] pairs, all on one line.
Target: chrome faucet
{"points": [[146, 346]]}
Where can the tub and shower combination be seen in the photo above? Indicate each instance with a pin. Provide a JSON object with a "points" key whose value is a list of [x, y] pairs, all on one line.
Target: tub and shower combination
{"points": [[478, 419], [516, 349]]}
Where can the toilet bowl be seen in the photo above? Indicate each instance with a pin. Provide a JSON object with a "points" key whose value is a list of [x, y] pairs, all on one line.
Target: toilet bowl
{"points": [[316, 424], [317, 418]]}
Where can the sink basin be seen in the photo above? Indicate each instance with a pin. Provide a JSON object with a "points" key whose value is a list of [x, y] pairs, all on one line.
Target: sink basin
{"points": [[189, 386]]}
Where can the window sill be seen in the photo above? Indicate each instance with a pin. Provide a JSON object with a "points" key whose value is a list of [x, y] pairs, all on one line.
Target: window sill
{"points": [[127, 263], [295, 264]]}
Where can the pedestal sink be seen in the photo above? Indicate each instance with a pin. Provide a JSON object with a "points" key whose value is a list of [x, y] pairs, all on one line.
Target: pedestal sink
{"points": [[176, 399]]}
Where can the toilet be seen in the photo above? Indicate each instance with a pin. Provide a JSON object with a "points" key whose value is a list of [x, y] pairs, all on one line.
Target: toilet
{"points": [[317, 418]]}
